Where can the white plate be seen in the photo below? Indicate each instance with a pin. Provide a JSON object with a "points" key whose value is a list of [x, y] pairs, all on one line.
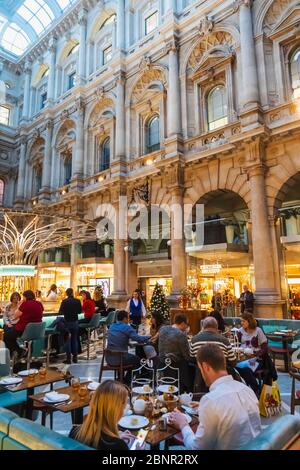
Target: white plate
{"points": [[24, 373], [166, 389], [161, 398], [133, 422], [59, 399], [141, 390], [10, 381], [93, 386], [188, 417]]}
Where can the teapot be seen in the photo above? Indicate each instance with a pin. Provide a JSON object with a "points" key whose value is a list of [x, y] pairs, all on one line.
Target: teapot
{"points": [[139, 406], [186, 398]]}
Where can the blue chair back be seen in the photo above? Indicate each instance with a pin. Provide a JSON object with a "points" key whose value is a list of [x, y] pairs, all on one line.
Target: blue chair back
{"points": [[34, 331], [111, 318], [94, 321], [4, 362]]}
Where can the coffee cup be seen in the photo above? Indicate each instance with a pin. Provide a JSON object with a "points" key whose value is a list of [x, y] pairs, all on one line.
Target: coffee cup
{"points": [[186, 398]]}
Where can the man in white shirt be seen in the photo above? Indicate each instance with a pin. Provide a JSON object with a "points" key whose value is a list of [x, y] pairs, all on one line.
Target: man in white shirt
{"points": [[228, 414]]}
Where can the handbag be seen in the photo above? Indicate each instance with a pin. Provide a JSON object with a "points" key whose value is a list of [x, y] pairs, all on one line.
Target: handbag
{"points": [[270, 400]]}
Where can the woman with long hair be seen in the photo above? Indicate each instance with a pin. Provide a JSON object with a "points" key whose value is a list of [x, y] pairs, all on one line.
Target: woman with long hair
{"points": [[100, 302], [100, 428], [88, 305], [52, 294]]}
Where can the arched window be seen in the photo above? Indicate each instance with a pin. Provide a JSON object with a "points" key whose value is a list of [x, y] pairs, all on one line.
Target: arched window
{"points": [[2, 185], [217, 108], [153, 134], [68, 170], [105, 155], [74, 49], [295, 73], [109, 20], [38, 179]]}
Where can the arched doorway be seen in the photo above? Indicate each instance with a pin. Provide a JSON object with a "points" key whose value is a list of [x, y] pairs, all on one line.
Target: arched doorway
{"points": [[288, 205], [223, 263]]}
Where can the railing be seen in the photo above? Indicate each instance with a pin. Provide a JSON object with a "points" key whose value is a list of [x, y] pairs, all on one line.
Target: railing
{"points": [[218, 231], [290, 221]]}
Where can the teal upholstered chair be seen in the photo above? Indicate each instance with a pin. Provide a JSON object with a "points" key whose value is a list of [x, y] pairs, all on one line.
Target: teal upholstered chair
{"points": [[34, 337], [9, 399], [91, 326], [277, 435], [6, 417], [33, 436]]}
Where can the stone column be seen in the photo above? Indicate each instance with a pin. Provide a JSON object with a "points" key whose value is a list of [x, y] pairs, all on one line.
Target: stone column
{"points": [[170, 5], [58, 90], [21, 174], [81, 77], [174, 101], [46, 178], [79, 146], [119, 295], [268, 303], [121, 25], [179, 270], [26, 99], [250, 81], [120, 117], [51, 78]]}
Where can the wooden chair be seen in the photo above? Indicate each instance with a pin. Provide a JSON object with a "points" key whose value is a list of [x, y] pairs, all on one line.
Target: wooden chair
{"points": [[283, 349], [118, 369], [295, 401]]}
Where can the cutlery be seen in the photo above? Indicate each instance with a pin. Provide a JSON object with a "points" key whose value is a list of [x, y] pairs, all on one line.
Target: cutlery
{"points": [[63, 404]]}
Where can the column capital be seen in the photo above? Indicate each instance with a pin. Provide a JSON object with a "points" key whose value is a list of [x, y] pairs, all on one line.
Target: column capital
{"points": [[172, 46], [257, 170], [242, 3], [80, 106], [120, 77], [28, 67], [23, 140], [82, 17], [49, 124], [52, 44]]}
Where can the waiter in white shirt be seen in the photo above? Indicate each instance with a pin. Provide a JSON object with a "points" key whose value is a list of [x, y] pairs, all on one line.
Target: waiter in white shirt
{"points": [[228, 414], [136, 309]]}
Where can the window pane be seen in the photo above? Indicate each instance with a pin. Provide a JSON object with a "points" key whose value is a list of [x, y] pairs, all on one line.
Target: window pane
{"points": [[153, 135], [105, 155], [43, 100], [68, 171], [217, 108], [107, 55], [4, 115], [151, 23], [71, 80], [1, 192]]}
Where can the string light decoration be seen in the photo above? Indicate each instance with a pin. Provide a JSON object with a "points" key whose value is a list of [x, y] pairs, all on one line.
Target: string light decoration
{"points": [[159, 303]]}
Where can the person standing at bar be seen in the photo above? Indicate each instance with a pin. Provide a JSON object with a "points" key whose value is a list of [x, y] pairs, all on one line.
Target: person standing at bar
{"points": [[70, 309]]}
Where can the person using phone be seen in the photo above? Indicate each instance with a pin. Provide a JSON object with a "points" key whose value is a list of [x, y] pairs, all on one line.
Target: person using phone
{"points": [[100, 428], [139, 442]]}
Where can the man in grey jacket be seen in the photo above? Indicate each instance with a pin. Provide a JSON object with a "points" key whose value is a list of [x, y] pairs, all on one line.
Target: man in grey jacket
{"points": [[173, 344]]}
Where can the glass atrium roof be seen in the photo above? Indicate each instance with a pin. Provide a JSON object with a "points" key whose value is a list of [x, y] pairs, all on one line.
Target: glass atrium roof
{"points": [[23, 21]]}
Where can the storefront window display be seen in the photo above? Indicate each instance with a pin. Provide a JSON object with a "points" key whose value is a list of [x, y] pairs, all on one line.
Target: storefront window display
{"points": [[53, 275], [294, 297], [90, 276]]}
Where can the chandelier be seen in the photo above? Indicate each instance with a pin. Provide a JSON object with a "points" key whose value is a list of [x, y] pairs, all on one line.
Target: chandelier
{"points": [[210, 268]]}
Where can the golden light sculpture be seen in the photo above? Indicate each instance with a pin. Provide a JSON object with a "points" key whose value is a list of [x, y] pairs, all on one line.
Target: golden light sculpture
{"points": [[23, 235]]}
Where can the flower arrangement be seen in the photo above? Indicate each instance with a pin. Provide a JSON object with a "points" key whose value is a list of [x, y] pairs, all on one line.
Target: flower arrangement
{"points": [[184, 298], [194, 291]]}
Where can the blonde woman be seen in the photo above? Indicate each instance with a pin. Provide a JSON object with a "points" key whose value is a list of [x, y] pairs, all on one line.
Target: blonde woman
{"points": [[100, 428]]}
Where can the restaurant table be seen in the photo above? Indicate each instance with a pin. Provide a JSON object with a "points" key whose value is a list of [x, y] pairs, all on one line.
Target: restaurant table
{"points": [[29, 385], [155, 437], [75, 407], [285, 338]]}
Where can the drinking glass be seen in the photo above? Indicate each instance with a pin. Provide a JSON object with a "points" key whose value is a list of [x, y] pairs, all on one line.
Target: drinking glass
{"points": [[42, 372], [82, 392], [75, 382], [31, 375]]}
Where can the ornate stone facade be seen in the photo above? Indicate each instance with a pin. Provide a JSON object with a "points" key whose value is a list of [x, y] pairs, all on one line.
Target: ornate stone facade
{"points": [[251, 151]]}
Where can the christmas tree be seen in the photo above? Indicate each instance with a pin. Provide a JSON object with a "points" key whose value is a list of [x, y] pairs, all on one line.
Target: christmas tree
{"points": [[159, 303]]}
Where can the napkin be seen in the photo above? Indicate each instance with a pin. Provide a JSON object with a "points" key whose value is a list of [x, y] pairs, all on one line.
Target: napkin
{"points": [[54, 396]]}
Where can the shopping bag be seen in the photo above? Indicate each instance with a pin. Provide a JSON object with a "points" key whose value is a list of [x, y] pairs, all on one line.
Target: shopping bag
{"points": [[270, 400]]}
